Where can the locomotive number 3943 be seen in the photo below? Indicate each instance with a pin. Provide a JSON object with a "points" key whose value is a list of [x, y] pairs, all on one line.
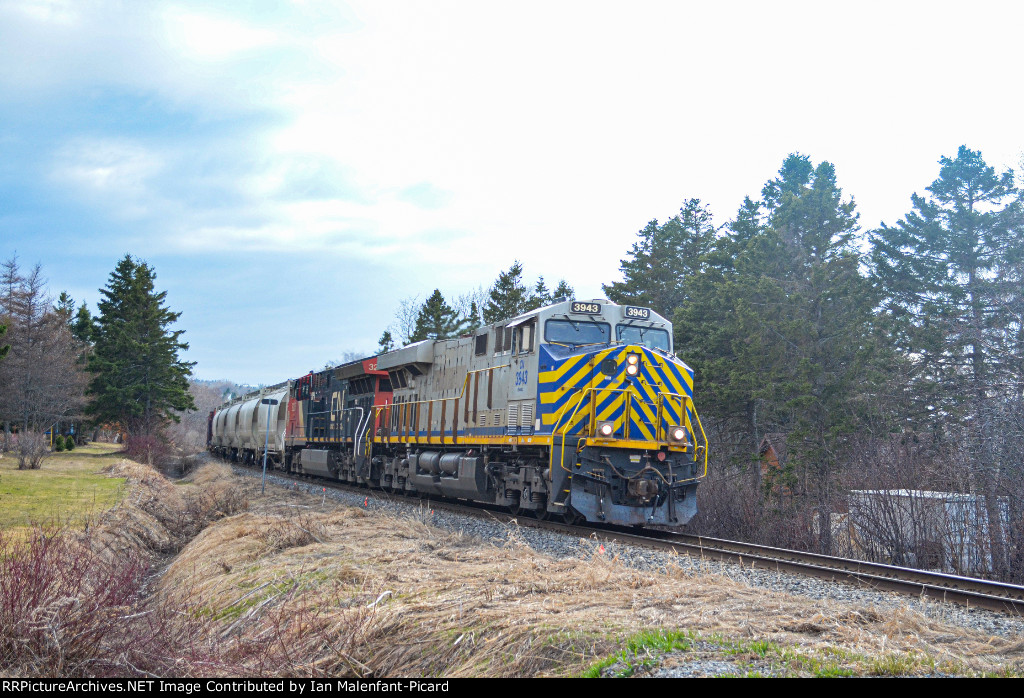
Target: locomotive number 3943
{"points": [[588, 308]]}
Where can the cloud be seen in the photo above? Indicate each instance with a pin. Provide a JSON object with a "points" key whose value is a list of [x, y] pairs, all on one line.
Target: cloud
{"points": [[207, 36], [114, 173]]}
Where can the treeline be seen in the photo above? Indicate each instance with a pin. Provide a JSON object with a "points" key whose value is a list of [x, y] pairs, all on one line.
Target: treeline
{"points": [[434, 318], [62, 369], [889, 360]]}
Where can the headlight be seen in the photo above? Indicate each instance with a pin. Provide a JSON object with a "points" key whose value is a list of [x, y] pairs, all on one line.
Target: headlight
{"points": [[677, 435], [632, 370], [606, 429], [632, 359]]}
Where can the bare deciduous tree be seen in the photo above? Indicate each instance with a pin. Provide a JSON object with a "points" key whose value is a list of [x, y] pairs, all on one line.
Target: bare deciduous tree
{"points": [[41, 380]]}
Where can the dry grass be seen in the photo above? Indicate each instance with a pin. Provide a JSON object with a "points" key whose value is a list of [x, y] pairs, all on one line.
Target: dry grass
{"points": [[289, 587], [357, 593]]}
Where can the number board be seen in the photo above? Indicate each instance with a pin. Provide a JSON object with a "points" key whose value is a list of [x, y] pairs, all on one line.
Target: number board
{"points": [[586, 308], [635, 313]]}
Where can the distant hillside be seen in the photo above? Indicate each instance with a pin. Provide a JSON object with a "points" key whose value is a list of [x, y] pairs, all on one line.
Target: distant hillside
{"points": [[224, 388]]}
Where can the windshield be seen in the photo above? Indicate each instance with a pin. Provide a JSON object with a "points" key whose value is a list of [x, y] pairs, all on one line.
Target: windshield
{"points": [[573, 332], [648, 336]]}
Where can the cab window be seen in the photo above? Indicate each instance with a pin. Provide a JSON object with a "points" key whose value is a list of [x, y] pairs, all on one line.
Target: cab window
{"points": [[524, 338], [577, 333], [650, 337]]}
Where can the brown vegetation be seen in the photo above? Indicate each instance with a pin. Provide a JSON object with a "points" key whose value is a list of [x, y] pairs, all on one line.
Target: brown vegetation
{"points": [[289, 586]]}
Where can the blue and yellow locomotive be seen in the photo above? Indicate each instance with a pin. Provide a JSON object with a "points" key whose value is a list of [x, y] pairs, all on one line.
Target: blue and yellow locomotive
{"points": [[578, 409]]}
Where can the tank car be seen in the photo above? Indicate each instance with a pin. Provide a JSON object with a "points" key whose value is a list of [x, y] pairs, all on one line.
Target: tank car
{"points": [[578, 410]]}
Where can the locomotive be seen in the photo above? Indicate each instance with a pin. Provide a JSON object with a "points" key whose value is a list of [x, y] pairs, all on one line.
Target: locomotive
{"points": [[578, 410]]}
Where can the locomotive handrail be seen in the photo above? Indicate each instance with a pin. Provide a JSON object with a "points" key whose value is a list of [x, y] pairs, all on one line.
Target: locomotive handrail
{"points": [[592, 420], [412, 403], [686, 404]]}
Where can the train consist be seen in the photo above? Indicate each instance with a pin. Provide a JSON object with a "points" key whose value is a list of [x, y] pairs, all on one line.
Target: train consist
{"points": [[579, 410]]}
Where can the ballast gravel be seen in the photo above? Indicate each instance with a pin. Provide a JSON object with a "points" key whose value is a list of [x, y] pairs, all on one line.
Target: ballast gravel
{"points": [[488, 528]]}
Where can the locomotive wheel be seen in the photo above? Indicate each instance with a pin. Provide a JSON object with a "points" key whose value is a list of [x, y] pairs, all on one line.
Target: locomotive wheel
{"points": [[514, 509], [542, 513], [570, 517]]}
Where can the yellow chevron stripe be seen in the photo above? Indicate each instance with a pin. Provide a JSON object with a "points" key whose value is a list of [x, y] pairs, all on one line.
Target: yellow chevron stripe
{"points": [[612, 406], [676, 386], [556, 374]]}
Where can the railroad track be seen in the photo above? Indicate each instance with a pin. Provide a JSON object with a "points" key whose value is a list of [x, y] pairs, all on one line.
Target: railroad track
{"points": [[966, 591]]}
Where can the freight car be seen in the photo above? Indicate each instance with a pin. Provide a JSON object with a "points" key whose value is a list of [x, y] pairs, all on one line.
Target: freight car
{"points": [[578, 410]]}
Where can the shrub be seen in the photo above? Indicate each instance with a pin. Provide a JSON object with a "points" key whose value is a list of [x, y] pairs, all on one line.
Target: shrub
{"points": [[69, 612], [151, 450], [31, 449], [58, 443], [69, 443]]}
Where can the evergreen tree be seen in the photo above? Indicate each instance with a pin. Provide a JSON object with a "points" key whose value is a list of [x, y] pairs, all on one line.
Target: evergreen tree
{"points": [[40, 382], [508, 297], [471, 321], [386, 343], [138, 380], [664, 260], [950, 274], [563, 290], [65, 307], [540, 296], [779, 323], [436, 320], [83, 327]]}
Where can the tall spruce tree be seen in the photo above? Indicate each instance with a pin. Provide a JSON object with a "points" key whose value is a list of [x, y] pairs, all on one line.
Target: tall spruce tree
{"points": [[779, 328], [665, 258], [138, 379], [386, 343], [436, 320], [951, 276], [951, 279], [508, 297]]}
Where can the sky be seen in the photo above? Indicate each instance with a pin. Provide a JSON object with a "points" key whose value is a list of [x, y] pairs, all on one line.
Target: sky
{"points": [[293, 170]]}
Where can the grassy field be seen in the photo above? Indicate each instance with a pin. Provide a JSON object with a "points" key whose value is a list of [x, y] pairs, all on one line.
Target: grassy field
{"points": [[68, 489]]}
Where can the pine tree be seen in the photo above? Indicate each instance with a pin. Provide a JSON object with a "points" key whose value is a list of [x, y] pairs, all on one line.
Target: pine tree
{"points": [[563, 290], [138, 380], [950, 272], [779, 323], [951, 276], [471, 320], [508, 296], [65, 307], [664, 260], [436, 320], [540, 296], [83, 327], [386, 343], [41, 381]]}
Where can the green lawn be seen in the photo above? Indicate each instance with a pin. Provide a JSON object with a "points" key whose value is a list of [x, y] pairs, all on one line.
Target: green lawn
{"points": [[68, 489]]}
